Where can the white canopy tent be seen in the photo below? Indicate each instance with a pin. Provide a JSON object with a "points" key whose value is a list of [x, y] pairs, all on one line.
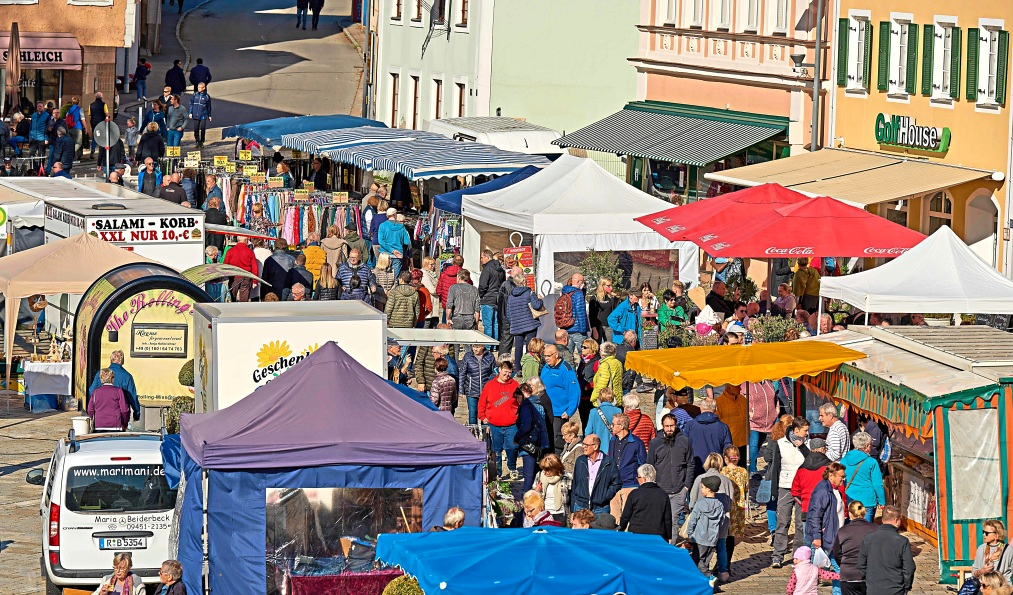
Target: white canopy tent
{"points": [[941, 274], [573, 205]]}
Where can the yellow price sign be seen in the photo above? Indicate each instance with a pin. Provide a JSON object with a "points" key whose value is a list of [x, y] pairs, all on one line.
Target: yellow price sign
{"points": [[302, 193], [275, 182], [221, 160], [296, 154], [190, 162], [249, 169], [193, 155], [258, 178], [339, 197], [172, 151], [230, 167], [246, 155]]}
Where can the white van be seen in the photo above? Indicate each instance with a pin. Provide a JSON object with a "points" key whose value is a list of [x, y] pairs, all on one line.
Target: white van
{"points": [[103, 494]]}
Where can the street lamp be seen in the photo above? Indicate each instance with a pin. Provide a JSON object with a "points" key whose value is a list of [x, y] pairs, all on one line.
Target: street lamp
{"points": [[797, 60]]}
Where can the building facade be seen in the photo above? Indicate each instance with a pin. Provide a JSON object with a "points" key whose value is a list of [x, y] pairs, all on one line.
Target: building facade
{"points": [[74, 49]]}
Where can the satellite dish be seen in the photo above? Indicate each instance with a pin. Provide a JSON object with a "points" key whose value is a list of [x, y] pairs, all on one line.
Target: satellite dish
{"points": [[106, 133]]}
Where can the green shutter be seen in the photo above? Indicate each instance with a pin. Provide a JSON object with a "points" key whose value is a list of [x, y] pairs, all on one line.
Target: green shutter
{"points": [[883, 84], [1001, 64], [842, 52], [928, 45], [911, 84], [867, 57], [955, 62], [972, 63]]}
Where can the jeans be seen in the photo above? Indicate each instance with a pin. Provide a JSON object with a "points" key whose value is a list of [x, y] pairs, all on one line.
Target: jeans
{"points": [[14, 141], [786, 505], [199, 129], [395, 265], [300, 16], [503, 439], [521, 343], [772, 516], [529, 465], [472, 410], [723, 557], [175, 137], [316, 18], [870, 513], [142, 89], [755, 440], [490, 321]]}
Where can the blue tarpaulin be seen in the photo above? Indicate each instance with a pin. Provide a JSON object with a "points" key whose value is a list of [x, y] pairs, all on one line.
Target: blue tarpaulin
{"points": [[418, 397], [268, 132], [451, 201], [481, 560]]}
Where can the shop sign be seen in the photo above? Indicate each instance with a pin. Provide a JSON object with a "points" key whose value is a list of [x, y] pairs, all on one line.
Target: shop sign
{"points": [[903, 131], [525, 259], [146, 229], [274, 357], [159, 340]]}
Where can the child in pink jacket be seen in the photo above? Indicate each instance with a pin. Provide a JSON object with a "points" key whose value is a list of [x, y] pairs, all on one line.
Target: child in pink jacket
{"points": [[806, 577]]}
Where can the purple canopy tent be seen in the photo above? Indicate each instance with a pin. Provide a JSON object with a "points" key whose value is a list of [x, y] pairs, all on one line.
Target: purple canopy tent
{"points": [[326, 422]]}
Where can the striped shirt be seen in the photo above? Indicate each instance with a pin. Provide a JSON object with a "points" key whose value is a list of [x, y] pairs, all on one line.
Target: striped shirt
{"points": [[838, 441]]}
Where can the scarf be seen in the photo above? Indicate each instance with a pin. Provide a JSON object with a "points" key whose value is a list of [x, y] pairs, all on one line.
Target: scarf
{"points": [[554, 483]]}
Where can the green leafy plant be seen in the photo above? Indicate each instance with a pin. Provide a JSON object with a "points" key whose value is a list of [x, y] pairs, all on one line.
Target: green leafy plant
{"points": [[186, 374], [403, 585], [772, 329], [687, 337], [597, 265], [746, 286], [179, 406]]}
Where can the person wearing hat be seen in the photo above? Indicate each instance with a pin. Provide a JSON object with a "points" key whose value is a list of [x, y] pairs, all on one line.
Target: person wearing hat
{"points": [[8, 170], [805, 576], [354, 240], [705, 525], [810, 474], [393, 239]]}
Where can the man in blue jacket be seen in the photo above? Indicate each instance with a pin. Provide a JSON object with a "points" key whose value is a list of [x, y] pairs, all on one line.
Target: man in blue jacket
{"points": [[123, 380], [595, 478], [579, 329], [564, 393], [707, 433], [38, 137], [200, 74], [394, 240], [629, 453], [625, 317]]}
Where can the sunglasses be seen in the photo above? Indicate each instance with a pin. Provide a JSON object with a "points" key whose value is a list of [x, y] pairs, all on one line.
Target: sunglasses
{"points": [[988, 532]]}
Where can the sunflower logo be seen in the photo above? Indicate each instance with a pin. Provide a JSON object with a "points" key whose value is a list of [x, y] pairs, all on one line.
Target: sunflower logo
{"points": [[310, 349], [270, 352]]}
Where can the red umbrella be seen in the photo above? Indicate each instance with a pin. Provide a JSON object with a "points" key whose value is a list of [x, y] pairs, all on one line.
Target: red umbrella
{"points": [[817, 226], [700, 219]]}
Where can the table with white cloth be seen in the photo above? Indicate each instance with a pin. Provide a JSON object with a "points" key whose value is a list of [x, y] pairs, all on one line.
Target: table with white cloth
{"points": [[45, 383]]}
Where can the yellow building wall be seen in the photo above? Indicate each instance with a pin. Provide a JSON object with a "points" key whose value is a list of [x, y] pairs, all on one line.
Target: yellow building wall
{"points": [[93, 25], [978, 139]]}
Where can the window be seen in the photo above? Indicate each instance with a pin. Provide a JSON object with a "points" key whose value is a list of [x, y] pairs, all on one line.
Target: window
{"points": [[940, 211], [780, 15], [462, 93], [417, 15], [439, 12], [415, 103], [895, 211], [696, 13], [854, 52], [987, 62], [118, 488], [898, 55], [437, 99], [941, 60], [752, 15], [463, 21], [974, 464], [667, 10], [724, 14], [395, 89], [397, 11]]}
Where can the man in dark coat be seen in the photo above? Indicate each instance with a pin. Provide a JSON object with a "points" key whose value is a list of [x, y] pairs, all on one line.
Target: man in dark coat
{"points": [[276, 267], [297, 274], [200, 74], [647, 510], [172, 191], [215, 216], [175, 78], [594, 496], [488, 292], [885, 559], [671, 455], [716, 300], [63, 150]]}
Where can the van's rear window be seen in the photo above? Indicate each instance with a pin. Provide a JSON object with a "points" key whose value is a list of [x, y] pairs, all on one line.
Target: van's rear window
{"points": [[118, 488]]}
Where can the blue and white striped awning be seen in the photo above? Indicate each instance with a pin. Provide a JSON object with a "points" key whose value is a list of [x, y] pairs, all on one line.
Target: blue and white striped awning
{"points": [[423, 158], [328, 140]]}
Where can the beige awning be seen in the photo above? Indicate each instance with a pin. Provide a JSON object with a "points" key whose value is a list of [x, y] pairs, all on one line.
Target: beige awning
{"points": [[45, 51], [857, 177]]}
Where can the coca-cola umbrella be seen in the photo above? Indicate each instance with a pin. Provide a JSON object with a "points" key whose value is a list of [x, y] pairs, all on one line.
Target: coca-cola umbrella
{"points": [[820, 226], [13, 69], [701, 218]]}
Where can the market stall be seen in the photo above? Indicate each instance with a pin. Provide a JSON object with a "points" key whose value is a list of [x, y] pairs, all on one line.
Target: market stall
{"points": [[945, 394], [326, 424], [269, 132], [572, 205]]}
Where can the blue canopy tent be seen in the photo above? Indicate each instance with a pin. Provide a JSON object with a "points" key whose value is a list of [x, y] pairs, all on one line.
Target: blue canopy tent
{"points": [[269, 132], [451, 201], [479, 560], [327, 422]]}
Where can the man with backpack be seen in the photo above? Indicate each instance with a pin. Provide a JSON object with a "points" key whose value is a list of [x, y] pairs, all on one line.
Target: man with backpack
{"points": [[75, 125], [570, 313]]}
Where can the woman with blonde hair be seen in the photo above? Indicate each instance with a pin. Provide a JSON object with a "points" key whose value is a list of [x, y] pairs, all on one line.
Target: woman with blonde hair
{"points": [[846, 547], [572, 445], [384, 273], [122, 581], [327, 285], [553, 486], [587, 367], [285, 173], [993, 583], [599, 309], [430, 279], [994, 554], [531, 363]]}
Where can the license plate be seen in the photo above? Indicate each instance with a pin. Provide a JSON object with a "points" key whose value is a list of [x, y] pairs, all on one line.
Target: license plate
{"points": [[122, 543]]}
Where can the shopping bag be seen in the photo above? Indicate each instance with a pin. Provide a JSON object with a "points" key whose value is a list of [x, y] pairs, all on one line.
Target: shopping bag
{"points": [[970, 587], [820, 558], [763, 495]]}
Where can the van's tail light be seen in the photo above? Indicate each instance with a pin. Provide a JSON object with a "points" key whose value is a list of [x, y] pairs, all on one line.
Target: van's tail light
{"points": [[54, 524]]}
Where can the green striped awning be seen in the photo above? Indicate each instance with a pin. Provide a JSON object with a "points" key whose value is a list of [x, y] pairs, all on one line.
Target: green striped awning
{"points": [[675, 133]]}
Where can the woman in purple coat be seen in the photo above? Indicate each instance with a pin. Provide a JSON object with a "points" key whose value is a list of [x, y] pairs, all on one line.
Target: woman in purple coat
{"points": [[107, 407]]}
